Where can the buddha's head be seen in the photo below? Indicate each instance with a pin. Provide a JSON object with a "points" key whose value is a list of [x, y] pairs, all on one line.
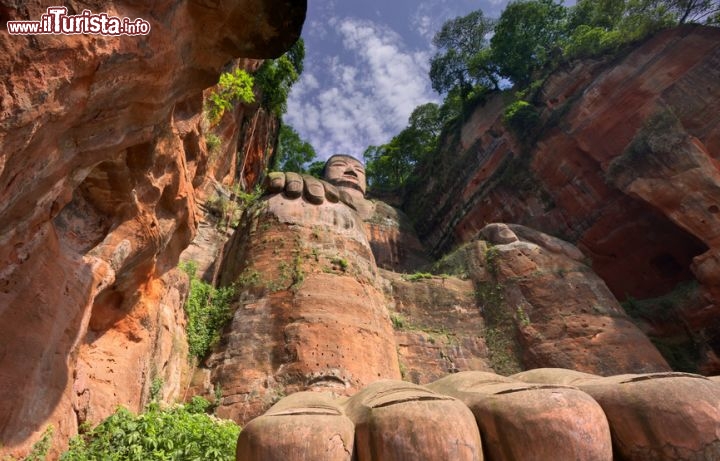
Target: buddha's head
{"points": [[345, 171]]}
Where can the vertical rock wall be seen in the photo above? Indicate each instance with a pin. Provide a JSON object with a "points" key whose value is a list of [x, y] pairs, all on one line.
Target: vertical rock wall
{"points": [[100, 154], [643, 235]]}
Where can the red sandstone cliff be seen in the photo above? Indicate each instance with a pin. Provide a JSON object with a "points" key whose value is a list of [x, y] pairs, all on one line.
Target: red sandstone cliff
{"points": [[638, 197], [103, 168], [101, 152]]}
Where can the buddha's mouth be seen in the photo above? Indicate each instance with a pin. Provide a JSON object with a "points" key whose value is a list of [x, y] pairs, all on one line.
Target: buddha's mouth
{"points": [[347, 183]]}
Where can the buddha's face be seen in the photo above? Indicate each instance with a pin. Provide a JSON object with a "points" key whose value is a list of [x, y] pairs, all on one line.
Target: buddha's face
{"points": [[343, 171]]}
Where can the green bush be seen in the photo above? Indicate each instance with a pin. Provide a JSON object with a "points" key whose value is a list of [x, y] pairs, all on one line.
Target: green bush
{"points": [[587, 41], [276, 76], [232, 88], [521, 117], [182, 432], [212, 142], [417, 276], [208, 310], [39, 450]]}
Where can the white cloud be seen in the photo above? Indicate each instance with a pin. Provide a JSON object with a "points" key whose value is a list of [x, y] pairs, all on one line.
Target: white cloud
{"points": [[362, 96], [424, 25]]}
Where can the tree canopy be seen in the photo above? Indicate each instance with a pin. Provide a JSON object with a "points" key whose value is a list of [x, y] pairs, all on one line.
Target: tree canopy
{"points": [[527, 35], [292, 153], [388, 166], [477, 54], [530, 35], [277, 76], [461, 42]]}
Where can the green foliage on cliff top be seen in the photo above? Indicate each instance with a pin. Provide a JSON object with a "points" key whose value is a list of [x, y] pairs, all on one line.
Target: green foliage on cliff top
{"points": [[182, 432], [388, 166], [521, 117], [532, 37], [292, 153], [208, 310], [233, 87], [276, 76], [478, 56]]}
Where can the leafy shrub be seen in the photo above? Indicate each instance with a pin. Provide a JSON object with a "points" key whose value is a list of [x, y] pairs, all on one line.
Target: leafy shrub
{"points": [[232, 88], [417, 276], [212, 142], [229, 206], [398, 320], [208, 310], [245, 199], [39, 450], [341, 263], [587, 41], [182, 432], [276, 76], [521, 117]]}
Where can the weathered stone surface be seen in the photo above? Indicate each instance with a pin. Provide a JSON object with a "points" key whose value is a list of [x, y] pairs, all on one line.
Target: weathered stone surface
{"points": [[539, 414], [641, 242], [399, 421], [543, 307], [533, 422], [438, 326], [663, 416], [309, 315], [100, 152], [305, 425], [561, 376], [393, 240], [117, 365]]}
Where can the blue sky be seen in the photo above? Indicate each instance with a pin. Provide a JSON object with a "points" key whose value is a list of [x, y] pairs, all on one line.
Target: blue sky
{"points": [[366, 68]]}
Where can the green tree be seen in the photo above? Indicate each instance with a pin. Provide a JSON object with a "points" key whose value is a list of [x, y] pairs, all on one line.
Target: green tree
{"points": [[593, 27], [293, 153], [604, 14], [456, 65], [385, 166], [208, 309], [316, 168], [615, 22], [389, 166], [427, 119], [684, 11], [527, 37], [233, 87], [276, 76]]}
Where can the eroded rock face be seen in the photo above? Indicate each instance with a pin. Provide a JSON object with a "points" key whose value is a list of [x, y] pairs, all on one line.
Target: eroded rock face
{"points": [[543, 307], [641, 235], [438, 326], [389, 420], [393, 240], [99, 156]]}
